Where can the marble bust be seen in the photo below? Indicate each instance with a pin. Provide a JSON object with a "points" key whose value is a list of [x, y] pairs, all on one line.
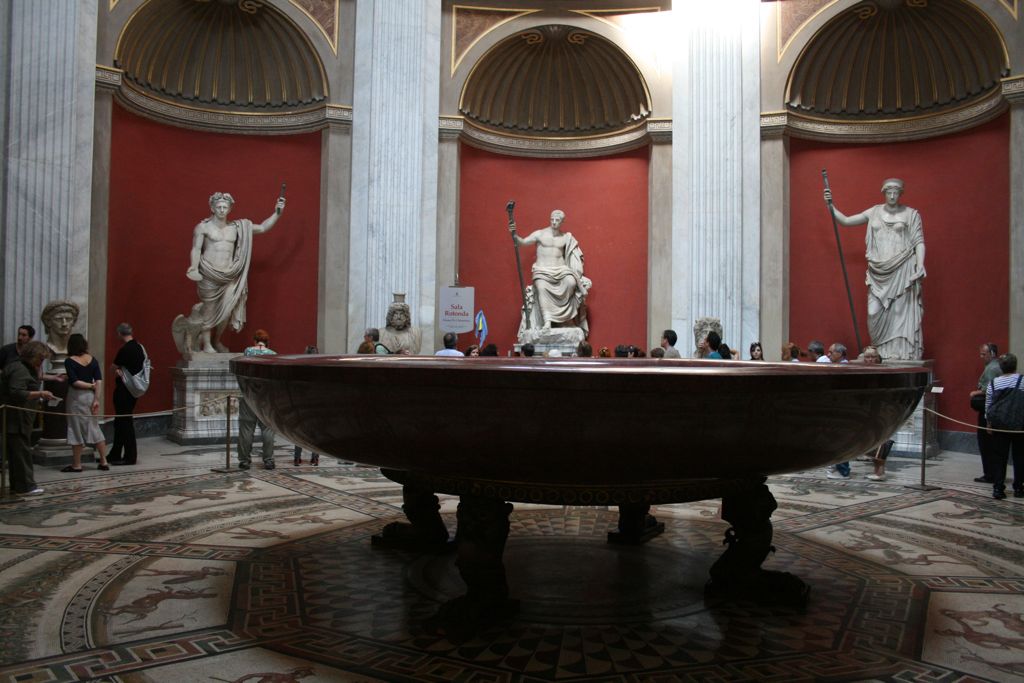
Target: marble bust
{"points": [[219, 265], [555, 308], [895, 274], [59, 318], [400, 335], [701, 327]]}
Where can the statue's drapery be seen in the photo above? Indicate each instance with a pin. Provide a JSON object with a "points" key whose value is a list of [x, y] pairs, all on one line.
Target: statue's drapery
{"points": [[223, 293], [895, 309]]}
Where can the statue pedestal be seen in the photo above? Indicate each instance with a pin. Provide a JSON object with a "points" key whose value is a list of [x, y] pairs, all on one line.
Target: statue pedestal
{"points": [[202, 384], [542, 349], [910, 436]]}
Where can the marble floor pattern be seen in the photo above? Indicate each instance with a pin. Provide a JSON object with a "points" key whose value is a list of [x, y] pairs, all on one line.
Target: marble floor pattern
{"points": [[168, 571]]}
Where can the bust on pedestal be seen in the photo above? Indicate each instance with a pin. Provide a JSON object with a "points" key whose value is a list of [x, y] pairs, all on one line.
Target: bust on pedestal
{"points": [[400, 335], [59, 319]]}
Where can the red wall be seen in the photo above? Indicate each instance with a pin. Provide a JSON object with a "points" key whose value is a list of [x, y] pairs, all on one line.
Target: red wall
{"points": [[161, 179], [960, 184], [605, 202]]}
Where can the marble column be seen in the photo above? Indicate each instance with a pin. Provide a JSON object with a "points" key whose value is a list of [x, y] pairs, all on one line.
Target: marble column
{"points": [[1013, 91], [715, 169], [335, 233], [394, 162], [447, 267], [48, 73], [774, 235], [659, 241]]}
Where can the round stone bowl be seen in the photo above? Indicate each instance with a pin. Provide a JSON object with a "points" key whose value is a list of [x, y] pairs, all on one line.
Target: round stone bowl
{"points": [[580, 422]]}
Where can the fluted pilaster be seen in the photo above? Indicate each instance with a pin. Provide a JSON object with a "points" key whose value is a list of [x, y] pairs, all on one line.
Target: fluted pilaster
{"points": [[48, 70], [394, 161], [716, 175]]}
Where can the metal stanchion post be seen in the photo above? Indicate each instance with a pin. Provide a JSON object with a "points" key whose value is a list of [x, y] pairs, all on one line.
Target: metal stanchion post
{"points": [[3, 465], [227, 438], [925, 418]]}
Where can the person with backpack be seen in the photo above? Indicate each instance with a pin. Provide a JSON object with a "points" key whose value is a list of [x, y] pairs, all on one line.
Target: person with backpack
{"points": [[130, 359], [1004, 410]]}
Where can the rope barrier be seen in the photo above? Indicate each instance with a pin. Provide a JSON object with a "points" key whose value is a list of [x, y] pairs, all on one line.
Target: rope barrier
{"points": [[972, 425], [209, 401]]}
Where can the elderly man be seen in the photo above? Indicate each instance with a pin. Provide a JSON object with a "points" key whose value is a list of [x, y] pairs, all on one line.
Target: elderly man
{"points": [[219, 264], [989, 354], [21, 389]]}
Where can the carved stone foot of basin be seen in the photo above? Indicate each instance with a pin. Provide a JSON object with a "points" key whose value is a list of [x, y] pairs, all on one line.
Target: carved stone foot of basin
{"points": [[738, 573], [483, 530], [636, 526], [425, 531]]}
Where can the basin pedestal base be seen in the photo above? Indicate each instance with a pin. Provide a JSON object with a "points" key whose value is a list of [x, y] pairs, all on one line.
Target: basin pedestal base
{"points": [[424, 532], [636, 526], [737, 573]]}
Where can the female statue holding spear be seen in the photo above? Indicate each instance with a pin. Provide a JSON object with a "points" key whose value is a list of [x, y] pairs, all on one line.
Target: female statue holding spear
{"points": [[895, 255]]}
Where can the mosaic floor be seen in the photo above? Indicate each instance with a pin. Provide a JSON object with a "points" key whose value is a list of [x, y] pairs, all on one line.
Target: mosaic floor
{"points": [[171, 572]]}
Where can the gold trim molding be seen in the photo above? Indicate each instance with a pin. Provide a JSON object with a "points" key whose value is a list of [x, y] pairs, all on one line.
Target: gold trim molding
{"points": [[514, 14], [774, 124], [331, 40], [242, 123], [524, 146]]}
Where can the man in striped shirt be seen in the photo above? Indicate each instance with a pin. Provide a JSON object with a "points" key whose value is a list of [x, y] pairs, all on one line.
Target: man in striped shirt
{"points": [[1003, 442]]}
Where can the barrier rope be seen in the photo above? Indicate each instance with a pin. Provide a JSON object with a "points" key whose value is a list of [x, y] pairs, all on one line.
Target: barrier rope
{"points": [[971, 424], [51, 413]]}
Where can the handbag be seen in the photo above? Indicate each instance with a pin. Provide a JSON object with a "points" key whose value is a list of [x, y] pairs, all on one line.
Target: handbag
{"points": [[1007, 409], [138, 384], [978, 403]]}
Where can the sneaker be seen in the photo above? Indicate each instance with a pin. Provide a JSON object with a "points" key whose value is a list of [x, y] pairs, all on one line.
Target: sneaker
{"points": [[34, 492], [834, 474], [875, 477], [269, 465]]}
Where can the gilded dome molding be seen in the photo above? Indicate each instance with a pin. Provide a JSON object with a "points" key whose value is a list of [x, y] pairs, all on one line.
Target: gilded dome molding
{"points": [[242, 67], [902, 69], [554, 90]]}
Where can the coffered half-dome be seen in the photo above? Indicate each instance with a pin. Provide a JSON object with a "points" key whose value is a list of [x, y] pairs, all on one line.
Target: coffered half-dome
{"points": [[555, 81], [915, 62], [237, 56]]}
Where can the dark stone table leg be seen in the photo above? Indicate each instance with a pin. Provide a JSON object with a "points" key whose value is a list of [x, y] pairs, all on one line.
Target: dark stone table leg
{"points": [[483, 530], [738, 573], [636, 526], [424, 532]]}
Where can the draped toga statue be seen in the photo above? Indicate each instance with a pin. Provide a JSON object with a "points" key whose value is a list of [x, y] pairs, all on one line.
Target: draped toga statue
{"points": [[895, 255], [220, 258], [556, 301]]}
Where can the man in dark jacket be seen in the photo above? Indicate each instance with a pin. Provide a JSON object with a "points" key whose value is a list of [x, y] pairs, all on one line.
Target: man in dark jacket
{"points": [[21, 389], [130, 358]]}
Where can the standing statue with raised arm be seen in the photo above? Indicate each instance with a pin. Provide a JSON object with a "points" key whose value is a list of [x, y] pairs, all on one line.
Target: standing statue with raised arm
{"points": [[219, 264], [556, 301], [895, 255]]}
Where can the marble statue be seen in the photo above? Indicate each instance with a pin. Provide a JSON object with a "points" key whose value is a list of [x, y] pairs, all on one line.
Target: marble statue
{"points": [[895, 255], [59, 318], [555, 308], [701, 327], [400, 335], [219, 264]]}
